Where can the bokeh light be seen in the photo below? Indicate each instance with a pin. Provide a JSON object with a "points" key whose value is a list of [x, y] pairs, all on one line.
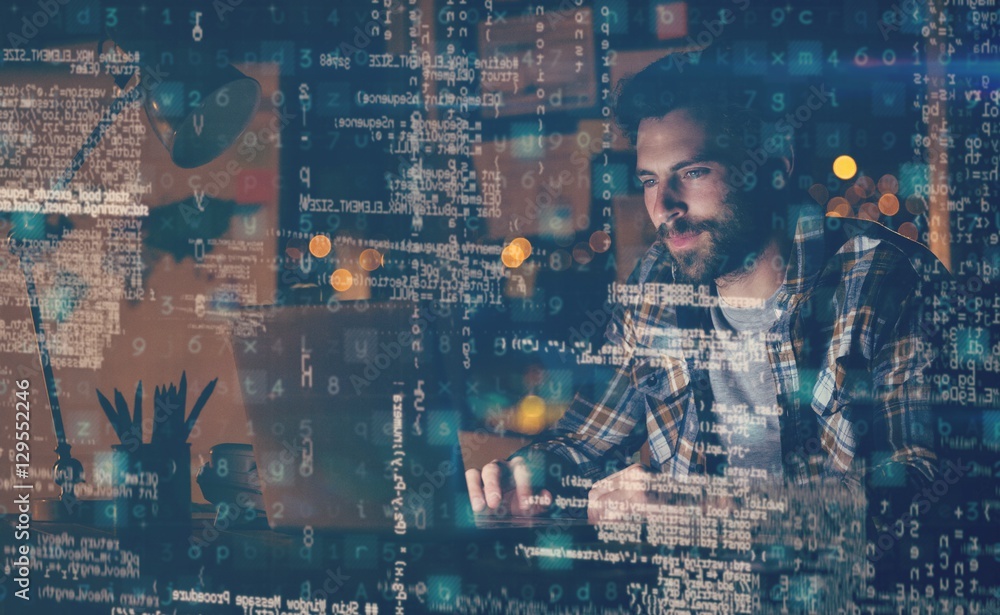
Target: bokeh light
{"points": [[838, 207], [866, 184], [582, 253], [531, 414], [600, 242], [516, 252], [512, 256], [854, 195], [916, 205], [888, 204], [523, 244], [370, 259], [888, 184], [319, 246], [341, 280], [868, 211], [844, 167], [908, 230], [819, 193]]}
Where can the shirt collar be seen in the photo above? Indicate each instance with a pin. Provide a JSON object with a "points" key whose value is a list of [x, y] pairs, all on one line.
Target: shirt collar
{"points": [[808, 252]]}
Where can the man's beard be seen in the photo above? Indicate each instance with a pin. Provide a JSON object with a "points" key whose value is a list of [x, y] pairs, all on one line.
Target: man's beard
{"points": [[734, 243]]}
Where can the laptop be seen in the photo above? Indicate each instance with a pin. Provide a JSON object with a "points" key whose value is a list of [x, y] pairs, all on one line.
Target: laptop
{"points": [[324, 393]]}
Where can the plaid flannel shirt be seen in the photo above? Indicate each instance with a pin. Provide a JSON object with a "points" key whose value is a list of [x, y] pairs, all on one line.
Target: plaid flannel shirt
{"points": [[847, 352]]}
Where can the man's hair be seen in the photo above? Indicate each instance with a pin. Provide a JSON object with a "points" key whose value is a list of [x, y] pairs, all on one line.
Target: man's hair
{"points": [[751, 148], [714, 100]]}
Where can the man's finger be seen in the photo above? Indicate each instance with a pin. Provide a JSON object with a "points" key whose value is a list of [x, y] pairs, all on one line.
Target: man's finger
{"points": [[493, 482], [635, 471], [473, 479], [545, 500], [607, 484], [522, 482], [595, 508]]}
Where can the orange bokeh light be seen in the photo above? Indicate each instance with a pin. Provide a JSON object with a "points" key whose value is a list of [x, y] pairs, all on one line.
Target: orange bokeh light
{"points": [[319, 246], [341, 280]]}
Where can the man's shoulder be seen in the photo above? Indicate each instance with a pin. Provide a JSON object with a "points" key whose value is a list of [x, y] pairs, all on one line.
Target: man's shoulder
{"points": [[855, 246]]}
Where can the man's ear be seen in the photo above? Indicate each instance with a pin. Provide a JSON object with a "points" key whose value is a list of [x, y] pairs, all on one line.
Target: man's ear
{"points": [[780, 164], [788, 163], [788, 160]]}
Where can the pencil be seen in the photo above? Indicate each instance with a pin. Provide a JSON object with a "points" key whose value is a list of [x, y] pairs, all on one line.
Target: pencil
{"points": [[137, 411], [157, 413], [177, 425], [198, 405], [109, 411], [123, 415]]}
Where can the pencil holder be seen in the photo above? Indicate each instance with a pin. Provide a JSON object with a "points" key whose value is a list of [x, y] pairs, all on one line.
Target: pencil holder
{"points": [[152, 487]]}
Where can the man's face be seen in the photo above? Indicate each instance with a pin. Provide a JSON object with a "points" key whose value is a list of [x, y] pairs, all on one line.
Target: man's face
{"points": [[700, 219]]}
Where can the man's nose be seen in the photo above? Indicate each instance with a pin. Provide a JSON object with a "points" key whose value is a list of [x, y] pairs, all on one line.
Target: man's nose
{"points": [[672, 201]]}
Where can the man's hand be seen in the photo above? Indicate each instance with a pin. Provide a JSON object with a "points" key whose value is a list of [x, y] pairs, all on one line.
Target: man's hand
{"points": [[505, 487], [630, 494], [611, 496]]}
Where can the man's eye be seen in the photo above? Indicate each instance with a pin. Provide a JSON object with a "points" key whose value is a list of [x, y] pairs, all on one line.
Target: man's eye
{"points": [[695, 173], [647, 183]]}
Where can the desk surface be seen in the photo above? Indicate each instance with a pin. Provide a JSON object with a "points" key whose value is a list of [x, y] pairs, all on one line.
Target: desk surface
{"points": [[90, 570]]}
